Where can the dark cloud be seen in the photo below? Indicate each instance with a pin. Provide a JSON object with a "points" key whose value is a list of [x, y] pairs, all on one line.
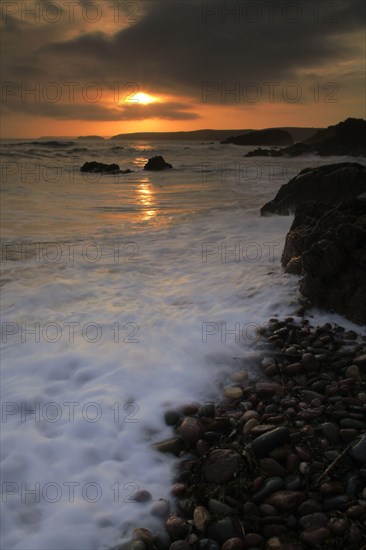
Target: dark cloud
{"points": [[176, 46], [99, 112]]}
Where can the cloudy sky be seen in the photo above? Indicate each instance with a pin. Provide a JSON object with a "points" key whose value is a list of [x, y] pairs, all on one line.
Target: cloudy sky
{"points": [[76, 67]]}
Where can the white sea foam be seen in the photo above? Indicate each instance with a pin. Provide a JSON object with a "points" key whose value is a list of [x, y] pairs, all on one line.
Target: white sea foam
{"points": [[171, 314]]}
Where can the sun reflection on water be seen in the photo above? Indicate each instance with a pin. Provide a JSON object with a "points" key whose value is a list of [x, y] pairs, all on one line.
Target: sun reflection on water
{"points": [[146, 197]]}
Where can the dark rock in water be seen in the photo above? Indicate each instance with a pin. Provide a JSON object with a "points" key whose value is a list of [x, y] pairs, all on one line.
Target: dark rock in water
{"points": [[221, 465], [329, 184], [173, 445], [262, 137], [264, 443], [345, 138], [330, 247], [176, 527], [157, 163], [190, 429], [292, 151], [101, 168]]}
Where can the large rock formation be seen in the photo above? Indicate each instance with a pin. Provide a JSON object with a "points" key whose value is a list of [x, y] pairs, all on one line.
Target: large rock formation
{"points": [[262, 137], [345, 138], [330, 184], [157, 163], [101, 168], [327, 247]]}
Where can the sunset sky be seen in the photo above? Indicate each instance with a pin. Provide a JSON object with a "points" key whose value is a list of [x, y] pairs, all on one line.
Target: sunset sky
{"points": [[77, 67]]}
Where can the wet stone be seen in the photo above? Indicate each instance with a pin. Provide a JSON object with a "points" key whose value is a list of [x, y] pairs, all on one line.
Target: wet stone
{"points": [[360, 361], [190, 429], [142, 496], [173, 445], [271, 485], [145, 536], [316, 537], [286, 500], [338, 525], [264, 444], [309, 506], [176, 527], [201, 518], [333, 503], [353, 423], [272, 467], [252, 540], [233, 544], [218, 508], [207, 409], [208, 544], [221, 465], [221, 530], [313, 521], [233, 393]]}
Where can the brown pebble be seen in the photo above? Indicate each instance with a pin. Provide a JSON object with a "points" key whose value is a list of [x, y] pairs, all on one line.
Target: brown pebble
{"points": [[201, 518], [190, 429], [271, 370], [330, 488], [250, 414], [233, 393], [272, 467], [252, 540], [142, 496], [176, 527], [353, 372], [292, 462], [249, 425], [355, 511], [338, 525], [304, 454], [285, 500], [189, 408], [316, 537], [354, 535], [221, 465], [268, 389], [313, 521], [233, 544], [145, 535], [309, 506], [178, 489]]}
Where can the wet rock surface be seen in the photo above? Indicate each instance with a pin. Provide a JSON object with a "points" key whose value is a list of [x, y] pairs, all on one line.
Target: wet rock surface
{"points": [[157, 163], [327, 247], [328, 184], [101, 168], [298, 483]]}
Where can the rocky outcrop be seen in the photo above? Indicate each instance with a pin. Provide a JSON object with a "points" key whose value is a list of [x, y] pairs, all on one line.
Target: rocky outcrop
{"points": [[262, 137], [101, 168], [330, 184], [345, 138], [157, 163], [327, 247]]}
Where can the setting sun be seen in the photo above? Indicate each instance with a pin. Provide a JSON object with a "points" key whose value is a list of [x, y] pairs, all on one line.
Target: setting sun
{"points": [[143, 98]]}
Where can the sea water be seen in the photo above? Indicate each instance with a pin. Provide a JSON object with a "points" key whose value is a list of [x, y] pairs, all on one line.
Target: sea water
{"points": [[123, 296]]}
